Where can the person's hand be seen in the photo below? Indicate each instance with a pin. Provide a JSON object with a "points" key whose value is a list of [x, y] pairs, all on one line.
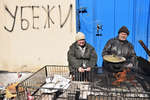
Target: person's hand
{"points": [[80, 69], [88, 69], [130, 65]]}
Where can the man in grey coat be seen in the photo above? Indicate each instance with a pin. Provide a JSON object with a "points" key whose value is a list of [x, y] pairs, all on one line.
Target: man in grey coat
{"points": [[120, 46], [82, 59]]}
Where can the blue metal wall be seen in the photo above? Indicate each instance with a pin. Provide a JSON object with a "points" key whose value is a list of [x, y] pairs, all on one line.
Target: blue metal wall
{"points": [[111, 15]]}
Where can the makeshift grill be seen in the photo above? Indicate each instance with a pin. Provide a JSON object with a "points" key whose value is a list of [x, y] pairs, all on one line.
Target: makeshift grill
{"points": [[104, 89], [101, 88]]}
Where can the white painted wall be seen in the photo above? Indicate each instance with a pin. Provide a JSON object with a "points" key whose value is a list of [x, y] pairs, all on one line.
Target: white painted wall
{"points": [[34, 44]]}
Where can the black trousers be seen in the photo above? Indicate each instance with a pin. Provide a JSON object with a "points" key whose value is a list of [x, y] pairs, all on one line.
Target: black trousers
{"points": [[143, 66]]}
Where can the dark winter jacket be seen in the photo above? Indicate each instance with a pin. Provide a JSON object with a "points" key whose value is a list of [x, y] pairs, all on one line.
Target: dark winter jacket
{"points": [[75, 58], [120, 48]]}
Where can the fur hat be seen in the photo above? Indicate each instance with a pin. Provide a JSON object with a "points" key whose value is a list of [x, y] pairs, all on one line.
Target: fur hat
{"points": [[123, 29], [79, 36]]}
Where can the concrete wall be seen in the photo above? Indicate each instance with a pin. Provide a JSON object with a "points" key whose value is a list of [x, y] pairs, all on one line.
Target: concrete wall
{"points": [[35, 32]]}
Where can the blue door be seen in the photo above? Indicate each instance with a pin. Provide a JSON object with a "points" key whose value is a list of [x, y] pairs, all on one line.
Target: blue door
{"points": [[100, 20]]}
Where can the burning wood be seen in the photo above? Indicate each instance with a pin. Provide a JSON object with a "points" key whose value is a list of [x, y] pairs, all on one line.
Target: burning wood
{"points": [[122, 77]]}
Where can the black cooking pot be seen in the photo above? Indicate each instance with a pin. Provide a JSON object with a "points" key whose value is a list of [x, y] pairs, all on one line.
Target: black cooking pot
{"points": [[113, 67]]}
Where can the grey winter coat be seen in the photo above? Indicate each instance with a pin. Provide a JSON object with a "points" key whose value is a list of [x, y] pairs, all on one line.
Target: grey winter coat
{"points": [[75, 58]]}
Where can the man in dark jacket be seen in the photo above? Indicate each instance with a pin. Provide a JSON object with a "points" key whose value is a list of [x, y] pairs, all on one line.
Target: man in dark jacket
{"points": [[82, 59], [119, 46]]}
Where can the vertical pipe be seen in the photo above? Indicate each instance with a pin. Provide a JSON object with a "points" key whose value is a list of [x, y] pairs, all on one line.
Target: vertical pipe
{"points": [[77, 16]]}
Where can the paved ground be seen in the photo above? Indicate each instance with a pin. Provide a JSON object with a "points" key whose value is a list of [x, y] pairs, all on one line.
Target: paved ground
{"points": [[11, 77]]}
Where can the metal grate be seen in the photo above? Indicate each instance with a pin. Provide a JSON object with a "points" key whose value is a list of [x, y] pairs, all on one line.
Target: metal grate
{"points": [[100, 88]]}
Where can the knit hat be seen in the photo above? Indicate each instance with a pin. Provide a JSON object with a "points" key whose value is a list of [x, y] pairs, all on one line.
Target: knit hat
{"points": [[79, 36], [123, 29]]}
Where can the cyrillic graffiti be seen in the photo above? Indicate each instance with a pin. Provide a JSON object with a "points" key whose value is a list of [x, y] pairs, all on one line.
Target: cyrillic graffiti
{"points": [[26, 23], [14, 19]]}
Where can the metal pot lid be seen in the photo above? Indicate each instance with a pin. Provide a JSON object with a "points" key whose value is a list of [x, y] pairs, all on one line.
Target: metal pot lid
{"points": [[114, 58]]}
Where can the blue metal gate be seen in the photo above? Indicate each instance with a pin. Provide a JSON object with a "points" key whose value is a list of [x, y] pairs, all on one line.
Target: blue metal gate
{"points": [[100, 20]]}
